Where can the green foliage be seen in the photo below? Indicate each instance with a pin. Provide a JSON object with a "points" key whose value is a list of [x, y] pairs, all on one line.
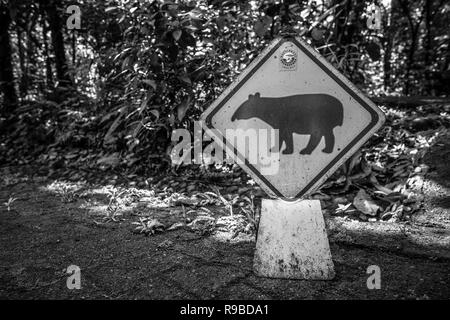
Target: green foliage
{"points": [[174, 58], [143, 68]]}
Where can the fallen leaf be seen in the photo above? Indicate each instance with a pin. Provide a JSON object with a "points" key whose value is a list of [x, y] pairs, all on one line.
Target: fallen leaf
{"points": [[177, 34], [364, 203], [150, 82], [176, 226], [342, 208]]}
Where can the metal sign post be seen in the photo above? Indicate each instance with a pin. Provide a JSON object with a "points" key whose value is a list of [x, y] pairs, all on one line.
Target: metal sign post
{"points": [[313, 119]]}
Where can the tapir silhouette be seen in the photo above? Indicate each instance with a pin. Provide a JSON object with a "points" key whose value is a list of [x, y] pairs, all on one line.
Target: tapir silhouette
{"points": [[313, 114]]}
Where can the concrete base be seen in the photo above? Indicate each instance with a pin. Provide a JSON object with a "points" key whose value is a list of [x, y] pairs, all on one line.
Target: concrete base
{"points": [[292, 242]]}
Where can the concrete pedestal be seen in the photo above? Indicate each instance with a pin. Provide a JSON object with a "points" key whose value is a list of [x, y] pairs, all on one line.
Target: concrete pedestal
{"points": [[292, 242]]}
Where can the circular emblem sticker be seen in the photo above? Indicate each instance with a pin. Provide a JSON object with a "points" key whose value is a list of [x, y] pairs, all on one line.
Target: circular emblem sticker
{"points": [[288, 59]]}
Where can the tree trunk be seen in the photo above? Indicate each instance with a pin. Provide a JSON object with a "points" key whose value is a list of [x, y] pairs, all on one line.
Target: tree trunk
{"points": [[23, 83], [410, 61], [31, 54], [286, 24], [414, 31], [54, 21], [48, 63], [74, 48], [6, 68], [346, 31], [391, 29], [340, 23], [428, 46]]}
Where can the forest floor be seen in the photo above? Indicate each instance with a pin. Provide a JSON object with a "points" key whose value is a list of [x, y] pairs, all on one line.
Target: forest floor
{"points": [[45, 227]]}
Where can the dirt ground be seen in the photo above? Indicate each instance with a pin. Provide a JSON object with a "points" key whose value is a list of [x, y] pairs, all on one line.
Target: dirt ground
{"points": [[41, 235]]}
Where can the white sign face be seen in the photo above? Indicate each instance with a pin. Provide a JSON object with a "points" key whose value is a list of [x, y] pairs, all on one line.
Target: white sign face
{"points": [[320, 117]]}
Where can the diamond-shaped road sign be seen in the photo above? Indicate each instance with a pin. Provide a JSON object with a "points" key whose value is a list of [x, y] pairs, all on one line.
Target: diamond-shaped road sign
{"points": [[322, 119]]}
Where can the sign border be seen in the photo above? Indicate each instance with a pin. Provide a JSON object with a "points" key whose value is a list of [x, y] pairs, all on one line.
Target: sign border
{"points": [[376, 122]]}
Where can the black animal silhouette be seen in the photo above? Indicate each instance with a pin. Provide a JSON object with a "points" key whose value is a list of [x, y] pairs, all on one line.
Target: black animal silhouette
{"points": [[313, 114]]}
